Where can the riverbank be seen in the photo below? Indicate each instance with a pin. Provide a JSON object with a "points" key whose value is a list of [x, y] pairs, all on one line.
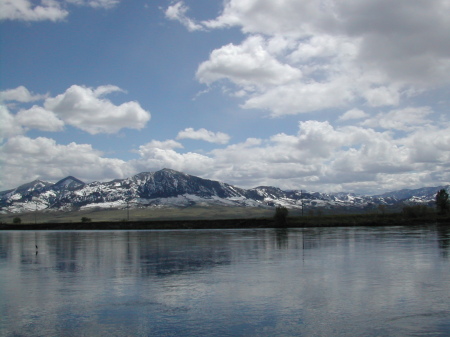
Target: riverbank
{"points": [[292, 222], [147, 225]]}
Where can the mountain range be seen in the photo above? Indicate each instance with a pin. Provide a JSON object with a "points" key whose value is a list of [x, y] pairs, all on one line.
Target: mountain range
{"points": [[169, 188]]}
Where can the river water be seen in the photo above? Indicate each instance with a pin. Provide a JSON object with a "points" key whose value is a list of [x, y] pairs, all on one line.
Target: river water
{"points": [[384, 281]]}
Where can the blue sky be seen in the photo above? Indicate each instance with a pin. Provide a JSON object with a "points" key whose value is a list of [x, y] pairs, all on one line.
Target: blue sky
{"points": [[316, 95]]}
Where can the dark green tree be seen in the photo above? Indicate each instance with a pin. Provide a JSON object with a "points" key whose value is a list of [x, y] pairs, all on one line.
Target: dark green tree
{"points": [[85, 219], [382, 209], [17, 220], [415, 211], [281, 214], [442, 202]]}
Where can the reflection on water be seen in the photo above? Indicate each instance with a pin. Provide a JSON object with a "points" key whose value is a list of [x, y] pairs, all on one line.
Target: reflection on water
{"points": [[444, 239], [391, 281]]}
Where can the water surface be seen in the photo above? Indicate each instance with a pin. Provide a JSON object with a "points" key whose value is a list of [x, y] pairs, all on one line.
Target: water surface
{"points": [[390, 281]]}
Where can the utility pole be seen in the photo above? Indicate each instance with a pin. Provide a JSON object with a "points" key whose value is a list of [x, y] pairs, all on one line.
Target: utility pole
{"points": [[35, 209], [301, 197], [128, 210]]}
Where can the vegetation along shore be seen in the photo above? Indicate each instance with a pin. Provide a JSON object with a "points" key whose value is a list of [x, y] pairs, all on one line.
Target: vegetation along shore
{"points": [[343, 220]]}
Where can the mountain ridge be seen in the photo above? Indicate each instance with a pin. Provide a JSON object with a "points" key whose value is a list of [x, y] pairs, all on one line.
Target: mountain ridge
{"points": [[170, 188]]}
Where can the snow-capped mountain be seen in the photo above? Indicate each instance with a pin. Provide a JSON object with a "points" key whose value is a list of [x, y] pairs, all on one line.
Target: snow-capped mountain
{"points": [[172, 188], [420, 195]]}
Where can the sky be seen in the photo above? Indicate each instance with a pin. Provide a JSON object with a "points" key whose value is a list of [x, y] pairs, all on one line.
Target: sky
{"points": [[319, 95]]}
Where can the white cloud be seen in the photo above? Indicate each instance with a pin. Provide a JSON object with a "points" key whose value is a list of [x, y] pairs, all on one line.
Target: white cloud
{"points": [[83, 108], [39, 118], [353, 114], [105, 90], [291, 18], [203, 134], [26, 159], [79, 106], [177, 12], [408, 41], [52, 10], [431, 145], [286, 76], [20, 94], [322, 54], [158, 155], [319, 157], [9, 126], [27, 11], [382, 96], [248, 64], [401, 119], [95, 3], [300, 98], [156, 144], [34, 118]]}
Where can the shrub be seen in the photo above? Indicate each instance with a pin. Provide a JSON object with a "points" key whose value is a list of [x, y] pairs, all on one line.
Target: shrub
{"points": [[17, 220], [415, 211], [442, 202], [85, 219], [382, 209], [281, 214]]}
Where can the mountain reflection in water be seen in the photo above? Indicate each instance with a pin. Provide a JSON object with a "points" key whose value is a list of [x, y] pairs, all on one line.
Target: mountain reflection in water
{"points": [[390, 281]]}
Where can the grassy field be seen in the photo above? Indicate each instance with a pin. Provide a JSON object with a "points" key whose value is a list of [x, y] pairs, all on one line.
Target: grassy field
{"points": [[142, 214], [209, 217]]}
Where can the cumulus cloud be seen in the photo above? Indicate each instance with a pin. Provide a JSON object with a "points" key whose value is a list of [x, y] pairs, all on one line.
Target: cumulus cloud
{"points": [[203, 134], [9, 126], [286, 76], [105, 90], [353, 114], [20, 94], [38, 118], [26, 159], [431, 145], [318, 157], [177, 12], [401, 119], [249, 64], [79, 106], [95, 3], [26, 10], [300, 98], [407, 41], [84, 108], [318, 54], [34, 118], [261, 16], [159, 155], [382, 96], [162, 145], [364, 57]]}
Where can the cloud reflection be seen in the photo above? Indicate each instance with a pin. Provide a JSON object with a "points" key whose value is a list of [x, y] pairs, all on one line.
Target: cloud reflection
{"points": [[238, 282]]}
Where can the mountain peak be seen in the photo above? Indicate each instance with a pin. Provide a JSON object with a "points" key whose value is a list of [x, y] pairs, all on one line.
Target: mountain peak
{"points": [[34, 185], [170, 171], [69, 182]]}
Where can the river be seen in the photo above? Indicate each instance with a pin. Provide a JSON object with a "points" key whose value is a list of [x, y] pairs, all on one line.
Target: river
{"points": [[383, 281]]}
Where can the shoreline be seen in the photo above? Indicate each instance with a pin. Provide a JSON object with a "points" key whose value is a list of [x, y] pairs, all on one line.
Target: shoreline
{"points": [[147, 225], [225, 224]]}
